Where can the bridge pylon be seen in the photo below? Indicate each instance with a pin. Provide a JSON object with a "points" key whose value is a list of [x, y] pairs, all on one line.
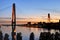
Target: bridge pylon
{"points": [[13, 22], [49, 17]]}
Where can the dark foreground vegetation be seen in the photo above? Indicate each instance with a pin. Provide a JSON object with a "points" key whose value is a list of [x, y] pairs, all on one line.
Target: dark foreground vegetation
{"points": [[43, 36]]}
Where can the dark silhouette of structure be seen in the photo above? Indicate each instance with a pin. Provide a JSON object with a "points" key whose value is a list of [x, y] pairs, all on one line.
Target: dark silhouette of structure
{"points": [[13, 22], [31, 36], [59, 21], [19, 36], [49, 36], [6, 37], [1, 35], [48, 17], [0, 26]]}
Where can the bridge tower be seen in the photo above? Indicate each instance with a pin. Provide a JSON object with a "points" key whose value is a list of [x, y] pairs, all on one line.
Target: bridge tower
{"points": [[13, 22], [48, 17]]}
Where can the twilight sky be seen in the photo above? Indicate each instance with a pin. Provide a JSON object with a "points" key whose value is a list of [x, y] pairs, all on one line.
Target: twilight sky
{"points": [[30, 8]]}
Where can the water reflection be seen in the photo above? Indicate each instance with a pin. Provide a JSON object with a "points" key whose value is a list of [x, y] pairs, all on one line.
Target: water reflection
{"points": [[25, 31]]}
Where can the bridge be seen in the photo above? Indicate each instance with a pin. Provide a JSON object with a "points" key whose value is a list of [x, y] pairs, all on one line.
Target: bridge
{"points": [[13, 22]]}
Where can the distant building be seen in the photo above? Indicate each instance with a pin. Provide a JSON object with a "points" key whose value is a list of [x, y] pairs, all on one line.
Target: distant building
{"points": [[29, 23]]}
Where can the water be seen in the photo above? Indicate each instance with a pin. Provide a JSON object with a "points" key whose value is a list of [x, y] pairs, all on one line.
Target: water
{"points": [[25, 31]]}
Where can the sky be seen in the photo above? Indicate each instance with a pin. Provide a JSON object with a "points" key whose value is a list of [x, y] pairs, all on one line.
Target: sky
{"points": [[31, 8]]}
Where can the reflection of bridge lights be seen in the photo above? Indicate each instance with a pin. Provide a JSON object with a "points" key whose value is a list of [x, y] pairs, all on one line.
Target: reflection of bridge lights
{"points": [[14, 30]]}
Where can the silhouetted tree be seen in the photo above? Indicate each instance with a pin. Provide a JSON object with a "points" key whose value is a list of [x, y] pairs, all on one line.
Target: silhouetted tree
{"points": [[19, 37], [31, 36], [6, 37]]}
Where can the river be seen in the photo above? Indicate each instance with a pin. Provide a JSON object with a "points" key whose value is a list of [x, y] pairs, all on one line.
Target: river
{"points": [[25, 31]]}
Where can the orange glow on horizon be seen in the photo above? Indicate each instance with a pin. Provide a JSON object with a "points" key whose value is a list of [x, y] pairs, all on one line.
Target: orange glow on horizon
{"points": [[29, 20]]}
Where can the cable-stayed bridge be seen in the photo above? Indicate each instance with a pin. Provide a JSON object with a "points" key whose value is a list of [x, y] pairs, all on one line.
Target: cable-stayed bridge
{"points": [[8, 19], [13, 19]]}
